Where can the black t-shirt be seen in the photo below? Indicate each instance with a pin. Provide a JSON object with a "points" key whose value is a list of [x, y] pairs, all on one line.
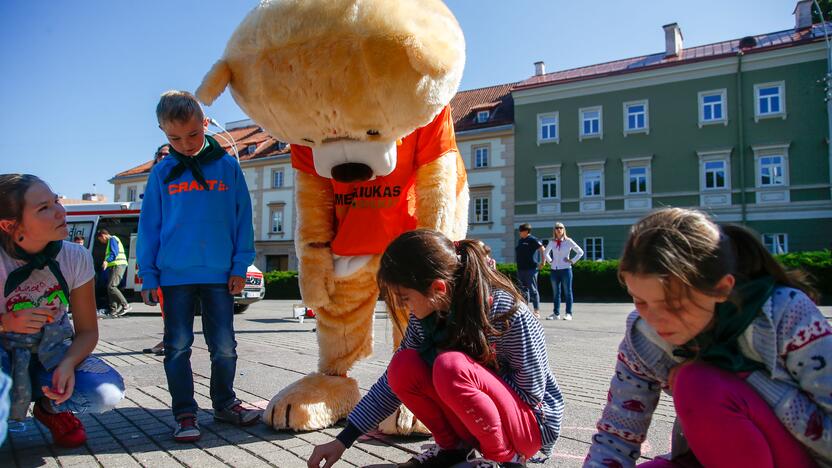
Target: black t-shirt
{"points": [[525, 251]]}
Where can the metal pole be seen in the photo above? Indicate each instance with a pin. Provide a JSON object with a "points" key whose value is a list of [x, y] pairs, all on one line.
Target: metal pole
{"points": [[741, 138]]}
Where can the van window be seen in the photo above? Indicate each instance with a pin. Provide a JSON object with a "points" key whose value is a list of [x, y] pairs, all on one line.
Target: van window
{"points": [[83, 228]]}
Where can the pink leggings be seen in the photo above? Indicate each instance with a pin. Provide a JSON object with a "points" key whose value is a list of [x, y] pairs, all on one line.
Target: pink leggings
{"points": [[727, 424], [465, 404]]}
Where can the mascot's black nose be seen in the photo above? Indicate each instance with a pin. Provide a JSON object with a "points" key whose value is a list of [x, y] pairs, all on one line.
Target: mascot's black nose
{"points": [[352, 172]]}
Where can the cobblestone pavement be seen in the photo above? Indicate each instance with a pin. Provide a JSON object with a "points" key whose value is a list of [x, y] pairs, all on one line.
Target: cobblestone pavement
{"points": [[274, 350]]}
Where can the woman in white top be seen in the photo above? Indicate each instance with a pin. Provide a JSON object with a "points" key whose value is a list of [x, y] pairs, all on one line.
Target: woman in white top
{"points": [[558, 254]]}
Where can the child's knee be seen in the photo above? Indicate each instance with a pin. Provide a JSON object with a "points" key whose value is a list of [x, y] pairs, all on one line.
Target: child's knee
{"points": [[697, 385], [449, 370], [105, 397], [98, 385], [405, 369]]}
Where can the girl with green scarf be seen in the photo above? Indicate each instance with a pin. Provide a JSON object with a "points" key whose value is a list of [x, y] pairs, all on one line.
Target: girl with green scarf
{"points": [[736, 340]]}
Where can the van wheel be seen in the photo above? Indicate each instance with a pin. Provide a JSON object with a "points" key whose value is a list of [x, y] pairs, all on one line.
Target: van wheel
{"points": [[240, 308]]}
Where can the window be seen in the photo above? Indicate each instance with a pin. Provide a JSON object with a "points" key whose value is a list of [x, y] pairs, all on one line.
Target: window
{"points": [[481, 156], [638, 180], [482, 116], [594, 248], [548, 186], [547, 128], [592, 183], [713, 107], [771, 171], [481, 211], [714, 175], [590, 122], [771, 167], [636, 117], [776, 243], [770, 100], [131, 194], [277, 179], [276, 217]]}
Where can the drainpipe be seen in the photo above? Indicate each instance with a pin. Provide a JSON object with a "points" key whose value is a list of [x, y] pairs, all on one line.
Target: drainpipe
{"points": [[828, 80], [741, 137]]}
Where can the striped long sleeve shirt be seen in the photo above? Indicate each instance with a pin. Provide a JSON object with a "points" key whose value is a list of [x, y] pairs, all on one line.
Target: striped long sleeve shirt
{"points": [[523, 363]]}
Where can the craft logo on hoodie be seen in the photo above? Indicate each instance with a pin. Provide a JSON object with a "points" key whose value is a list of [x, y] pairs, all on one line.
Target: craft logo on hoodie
{"points": [[181, 187], [370, 197]]}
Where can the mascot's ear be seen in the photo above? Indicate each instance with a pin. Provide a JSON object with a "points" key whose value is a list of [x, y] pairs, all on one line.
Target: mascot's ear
{"points": [[431, 56], [214, 83]]}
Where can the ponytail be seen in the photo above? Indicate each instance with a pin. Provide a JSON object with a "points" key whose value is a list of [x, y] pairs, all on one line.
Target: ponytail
{"points": [[753, 260]]}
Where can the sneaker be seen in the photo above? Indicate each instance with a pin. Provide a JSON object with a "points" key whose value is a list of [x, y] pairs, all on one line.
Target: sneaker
{"points": [[238, 415], [187, 429], [435, 457], [119, 311], [127, 308], [568, 317], [102, 313], [553, 317], [67, 431]]}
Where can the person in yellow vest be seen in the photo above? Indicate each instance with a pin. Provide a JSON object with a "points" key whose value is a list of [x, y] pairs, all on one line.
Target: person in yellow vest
{"points": [[116, 260]]}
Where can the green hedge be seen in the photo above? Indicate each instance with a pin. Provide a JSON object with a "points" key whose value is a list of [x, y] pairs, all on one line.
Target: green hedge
{"points": [[593, 281]]}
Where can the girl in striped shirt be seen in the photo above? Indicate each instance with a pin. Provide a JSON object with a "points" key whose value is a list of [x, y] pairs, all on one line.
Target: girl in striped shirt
{"points": [[472, 365]]}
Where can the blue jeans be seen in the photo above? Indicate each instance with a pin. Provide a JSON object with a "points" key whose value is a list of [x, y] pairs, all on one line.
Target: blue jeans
{"points": [[98, 387], [562, 279], [218, 328], [528, 286], [5, 404]]}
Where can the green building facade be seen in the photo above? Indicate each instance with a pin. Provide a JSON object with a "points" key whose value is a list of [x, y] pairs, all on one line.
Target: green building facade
{"points": [[739, 132]]}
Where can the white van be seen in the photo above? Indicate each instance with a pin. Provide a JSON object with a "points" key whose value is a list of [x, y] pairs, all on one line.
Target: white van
{"points": [[122, 220]]}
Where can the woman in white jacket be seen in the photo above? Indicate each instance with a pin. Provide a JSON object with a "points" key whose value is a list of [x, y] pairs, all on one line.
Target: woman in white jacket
{"points": [[559, 254]]}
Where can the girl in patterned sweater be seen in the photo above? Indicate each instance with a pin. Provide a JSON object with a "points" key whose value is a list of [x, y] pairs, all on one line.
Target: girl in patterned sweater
{"points": [[472, 365], [734, 338]]}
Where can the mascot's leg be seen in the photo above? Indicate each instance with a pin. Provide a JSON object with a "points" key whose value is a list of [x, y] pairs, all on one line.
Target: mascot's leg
{"points": [[345, 335]]}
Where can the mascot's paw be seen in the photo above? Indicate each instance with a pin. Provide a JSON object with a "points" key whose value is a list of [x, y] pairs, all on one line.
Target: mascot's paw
{"points": [[402, 422], [313, 402]]}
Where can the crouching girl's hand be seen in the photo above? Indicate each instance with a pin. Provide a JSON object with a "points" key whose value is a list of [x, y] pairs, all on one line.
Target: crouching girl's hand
{"points": [[330, 452], [28, 321]]}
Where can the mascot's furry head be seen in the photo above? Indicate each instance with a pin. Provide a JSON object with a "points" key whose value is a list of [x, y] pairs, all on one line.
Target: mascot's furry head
{"points": [[342, 71]]}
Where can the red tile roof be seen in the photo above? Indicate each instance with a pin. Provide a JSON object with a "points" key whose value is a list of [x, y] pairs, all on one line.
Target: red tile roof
{"points": [[496, 99], [265, 146], [765, 42]]}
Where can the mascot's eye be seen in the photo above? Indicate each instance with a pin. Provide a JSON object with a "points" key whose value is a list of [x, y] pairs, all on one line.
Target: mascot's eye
{"points": [[372, 132]]}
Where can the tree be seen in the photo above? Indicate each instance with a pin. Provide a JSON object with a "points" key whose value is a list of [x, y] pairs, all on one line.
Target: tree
{"points": [[826, 8]]}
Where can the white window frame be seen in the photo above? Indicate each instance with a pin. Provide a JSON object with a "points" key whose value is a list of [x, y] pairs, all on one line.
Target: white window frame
{"points": [[132, 193], [273, 210], [638, 200], [782, 95], [771, 193], [589, 253], [777, 239], [550, 139], [475, 159], [592, 202], [586, 136], [549, 204], [717, 196], [723, 94], [483, 199], [646, 128], [282, 173], [483, 116]]}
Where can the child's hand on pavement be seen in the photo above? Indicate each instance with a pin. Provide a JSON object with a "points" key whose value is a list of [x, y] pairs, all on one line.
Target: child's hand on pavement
{"points": [[331, 452]]}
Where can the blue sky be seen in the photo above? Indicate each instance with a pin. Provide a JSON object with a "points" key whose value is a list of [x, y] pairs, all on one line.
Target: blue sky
{"points": [[81, 78]]}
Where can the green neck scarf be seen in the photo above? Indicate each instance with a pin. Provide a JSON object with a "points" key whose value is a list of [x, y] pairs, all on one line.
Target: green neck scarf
{"points": [[43, 259], [434, 335], [211, 152], [718, 345]]}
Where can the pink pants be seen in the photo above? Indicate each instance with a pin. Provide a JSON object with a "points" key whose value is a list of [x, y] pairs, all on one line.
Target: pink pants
{"points": [[727, 424], [465, 404]]}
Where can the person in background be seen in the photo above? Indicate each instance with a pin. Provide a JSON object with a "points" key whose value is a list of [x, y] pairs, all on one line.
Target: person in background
{"points": [[527, 267], [79, 239], [115, 259], [559, 254]]}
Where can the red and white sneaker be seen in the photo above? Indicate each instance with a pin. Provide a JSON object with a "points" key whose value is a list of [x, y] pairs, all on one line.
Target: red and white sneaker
{"points": [[67, 430]]}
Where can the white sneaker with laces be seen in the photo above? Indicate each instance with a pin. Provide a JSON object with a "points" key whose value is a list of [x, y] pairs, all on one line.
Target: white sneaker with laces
{"points": [[551, 317], [568, 317]]}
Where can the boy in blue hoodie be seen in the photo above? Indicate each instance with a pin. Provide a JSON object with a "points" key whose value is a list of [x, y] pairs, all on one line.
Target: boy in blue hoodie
{"points": [[196, 240]]}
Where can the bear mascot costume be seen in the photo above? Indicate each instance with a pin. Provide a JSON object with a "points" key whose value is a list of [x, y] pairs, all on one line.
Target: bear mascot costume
{"points": [[360, 90]]}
